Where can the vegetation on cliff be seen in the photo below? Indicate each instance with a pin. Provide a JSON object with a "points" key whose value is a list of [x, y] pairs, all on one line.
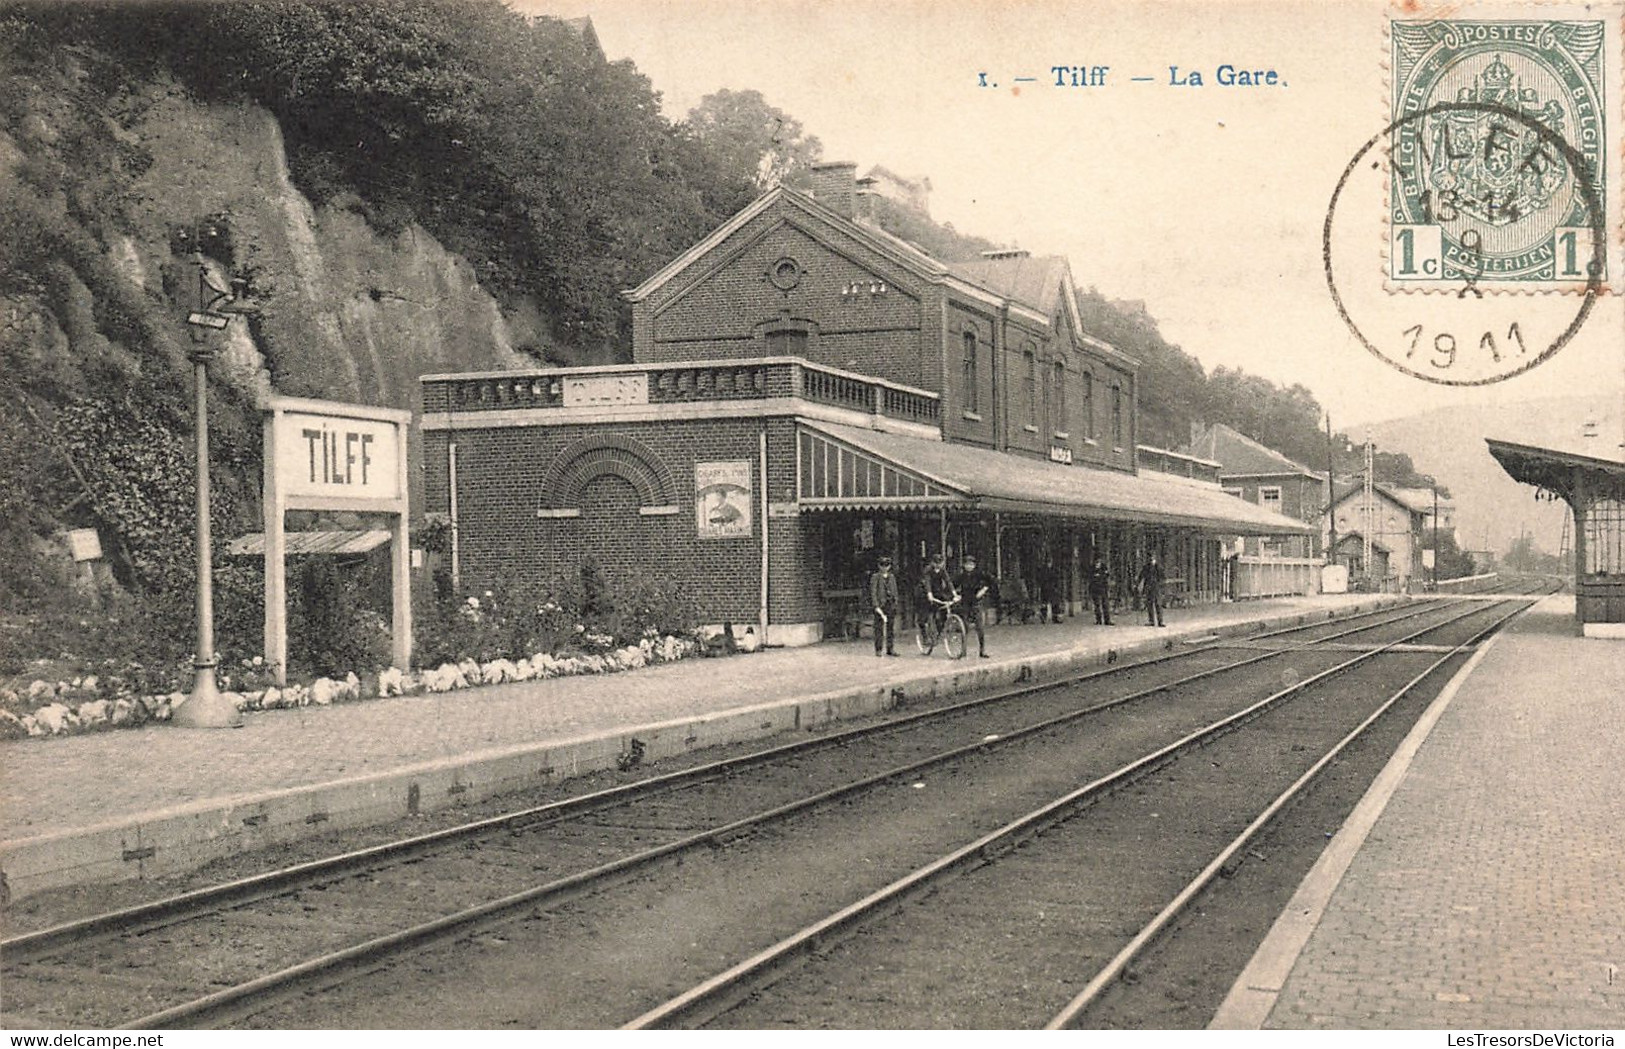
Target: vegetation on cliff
{"points": [[510, 141]]}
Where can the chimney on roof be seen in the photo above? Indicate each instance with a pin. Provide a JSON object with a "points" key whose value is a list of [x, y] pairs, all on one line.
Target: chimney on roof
{"points": [[865, 202], [1008, 253], [835, 186]]}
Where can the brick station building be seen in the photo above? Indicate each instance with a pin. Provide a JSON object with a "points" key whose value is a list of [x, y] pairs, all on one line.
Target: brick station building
{"points": [[807, 393]]}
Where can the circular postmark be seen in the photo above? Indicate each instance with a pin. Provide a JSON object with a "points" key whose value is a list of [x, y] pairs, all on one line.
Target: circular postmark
{"points": [[1474, 332]]}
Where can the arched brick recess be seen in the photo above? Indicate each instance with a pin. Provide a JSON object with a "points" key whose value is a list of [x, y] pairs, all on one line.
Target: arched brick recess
{"points": [[592, 457]]}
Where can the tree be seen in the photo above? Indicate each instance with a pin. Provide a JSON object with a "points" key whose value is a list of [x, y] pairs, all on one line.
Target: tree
{"points": [[755, 140]]}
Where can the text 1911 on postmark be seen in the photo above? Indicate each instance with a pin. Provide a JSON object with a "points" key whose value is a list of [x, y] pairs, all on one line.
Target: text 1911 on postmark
{"points": [[1499, 154]]}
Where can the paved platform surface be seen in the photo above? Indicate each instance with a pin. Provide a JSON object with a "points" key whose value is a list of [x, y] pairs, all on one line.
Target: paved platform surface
{"points": [[158, 799], [1481, 882]]}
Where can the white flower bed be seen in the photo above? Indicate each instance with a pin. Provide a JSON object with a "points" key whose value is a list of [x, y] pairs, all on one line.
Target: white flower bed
{"points": [[66, 708]]}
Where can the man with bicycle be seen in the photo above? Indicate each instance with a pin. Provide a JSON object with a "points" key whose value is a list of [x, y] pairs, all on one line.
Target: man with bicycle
{"points": [[939, 590]]}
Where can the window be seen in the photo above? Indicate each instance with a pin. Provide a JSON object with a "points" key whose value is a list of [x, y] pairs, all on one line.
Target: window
{"points": [[1088, 406], [1605, 537], [786, 344], [971, 400], [1058, 416], [1117, 416], [1031, 360], [1233, 491], [1269, 498]]}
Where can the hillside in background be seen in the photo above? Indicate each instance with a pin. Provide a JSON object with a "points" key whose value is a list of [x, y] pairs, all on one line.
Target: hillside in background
{"points": [[401, 187], [1492, 509]]}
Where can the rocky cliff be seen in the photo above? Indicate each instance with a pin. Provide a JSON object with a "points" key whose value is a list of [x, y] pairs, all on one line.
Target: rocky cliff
{"points": [[115, 191]]}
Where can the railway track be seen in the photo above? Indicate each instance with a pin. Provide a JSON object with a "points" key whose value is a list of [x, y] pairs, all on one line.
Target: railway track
{"points": [[225, 953], [1056, 855]]}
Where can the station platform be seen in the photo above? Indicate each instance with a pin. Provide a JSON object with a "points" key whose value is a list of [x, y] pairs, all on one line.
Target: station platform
{"points": [[1477, 885], [159, 800]]}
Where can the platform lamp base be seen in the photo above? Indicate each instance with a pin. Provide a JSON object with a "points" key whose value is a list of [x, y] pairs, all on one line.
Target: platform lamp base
{"points": [[206, 707]]}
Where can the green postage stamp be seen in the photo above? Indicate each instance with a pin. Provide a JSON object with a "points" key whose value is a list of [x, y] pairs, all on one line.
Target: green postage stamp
{"points": [[1504, 151]]}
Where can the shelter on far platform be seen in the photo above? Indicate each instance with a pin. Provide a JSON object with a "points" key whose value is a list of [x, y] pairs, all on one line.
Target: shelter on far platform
{"points": [[1590, 477]]}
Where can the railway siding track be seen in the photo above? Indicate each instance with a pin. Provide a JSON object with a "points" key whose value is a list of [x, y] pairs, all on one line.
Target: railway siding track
{"points": [[508, 842]]}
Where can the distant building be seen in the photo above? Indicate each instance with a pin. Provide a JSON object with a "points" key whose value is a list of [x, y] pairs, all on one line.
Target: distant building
{"points": [[1394, 528], [583, 28], [1255, 473], [1422, 499], [910, 193]]}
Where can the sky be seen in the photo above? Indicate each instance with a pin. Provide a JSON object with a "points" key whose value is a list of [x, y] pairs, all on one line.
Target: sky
{"points": [[1208, 203]]}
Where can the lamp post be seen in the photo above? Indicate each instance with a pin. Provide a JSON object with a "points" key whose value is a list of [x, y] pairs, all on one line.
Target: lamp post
{"points": [[206, 707]]}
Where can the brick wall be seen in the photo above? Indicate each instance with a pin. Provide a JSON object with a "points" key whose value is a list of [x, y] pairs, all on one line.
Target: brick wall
{"points": [[863, 311], [503, 544]]}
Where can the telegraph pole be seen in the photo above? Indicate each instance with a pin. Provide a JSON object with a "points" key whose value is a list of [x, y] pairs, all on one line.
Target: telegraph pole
{"points": [[1331, 496], [1435, 536], [1368, 508]]}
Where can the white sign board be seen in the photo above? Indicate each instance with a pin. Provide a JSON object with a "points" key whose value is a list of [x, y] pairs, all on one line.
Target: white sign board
{"points": [[722, 499], [85, 543], [326, 455], [321, 455]]}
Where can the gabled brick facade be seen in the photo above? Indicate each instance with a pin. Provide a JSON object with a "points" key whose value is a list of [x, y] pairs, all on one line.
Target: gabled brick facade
{"points": [[792, 275]]}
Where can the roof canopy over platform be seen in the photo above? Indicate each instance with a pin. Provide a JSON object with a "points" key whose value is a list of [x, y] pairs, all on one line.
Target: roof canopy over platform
{"points": [[1568, 474], [847, 467], [1594, 487]]}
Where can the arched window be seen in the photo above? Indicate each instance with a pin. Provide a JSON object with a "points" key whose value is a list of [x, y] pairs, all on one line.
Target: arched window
{"points": [[971, 399], [1030, 358], [1089, 405], [1058, 418]]}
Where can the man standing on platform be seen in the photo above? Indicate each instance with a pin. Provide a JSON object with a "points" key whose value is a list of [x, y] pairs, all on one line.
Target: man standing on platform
{"points": [[1151, 577], [973, 587], [884, 597], [1100, 591]]}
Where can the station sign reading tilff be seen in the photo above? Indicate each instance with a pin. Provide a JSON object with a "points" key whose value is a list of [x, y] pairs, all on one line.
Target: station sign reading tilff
{"points": [[323, 455], [335, 455]]}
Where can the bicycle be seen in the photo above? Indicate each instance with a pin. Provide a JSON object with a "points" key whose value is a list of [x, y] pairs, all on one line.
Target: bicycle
{"points": [[951, 633]]}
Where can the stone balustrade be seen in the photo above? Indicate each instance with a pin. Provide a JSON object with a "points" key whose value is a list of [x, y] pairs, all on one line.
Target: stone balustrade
{"points": [[620, 385]]}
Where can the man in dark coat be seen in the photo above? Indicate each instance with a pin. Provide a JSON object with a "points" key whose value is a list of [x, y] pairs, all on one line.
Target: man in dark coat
{"points": [[1100, 591], [973, 588], [884, 597], [1151, 577]]}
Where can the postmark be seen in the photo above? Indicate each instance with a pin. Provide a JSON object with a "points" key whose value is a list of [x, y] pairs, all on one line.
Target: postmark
{"points": [[1471, 237], [1468, 337], [1479, 192]]}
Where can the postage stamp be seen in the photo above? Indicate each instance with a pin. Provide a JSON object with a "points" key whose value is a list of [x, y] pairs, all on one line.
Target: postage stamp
{"points": [[1502, 168]]}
